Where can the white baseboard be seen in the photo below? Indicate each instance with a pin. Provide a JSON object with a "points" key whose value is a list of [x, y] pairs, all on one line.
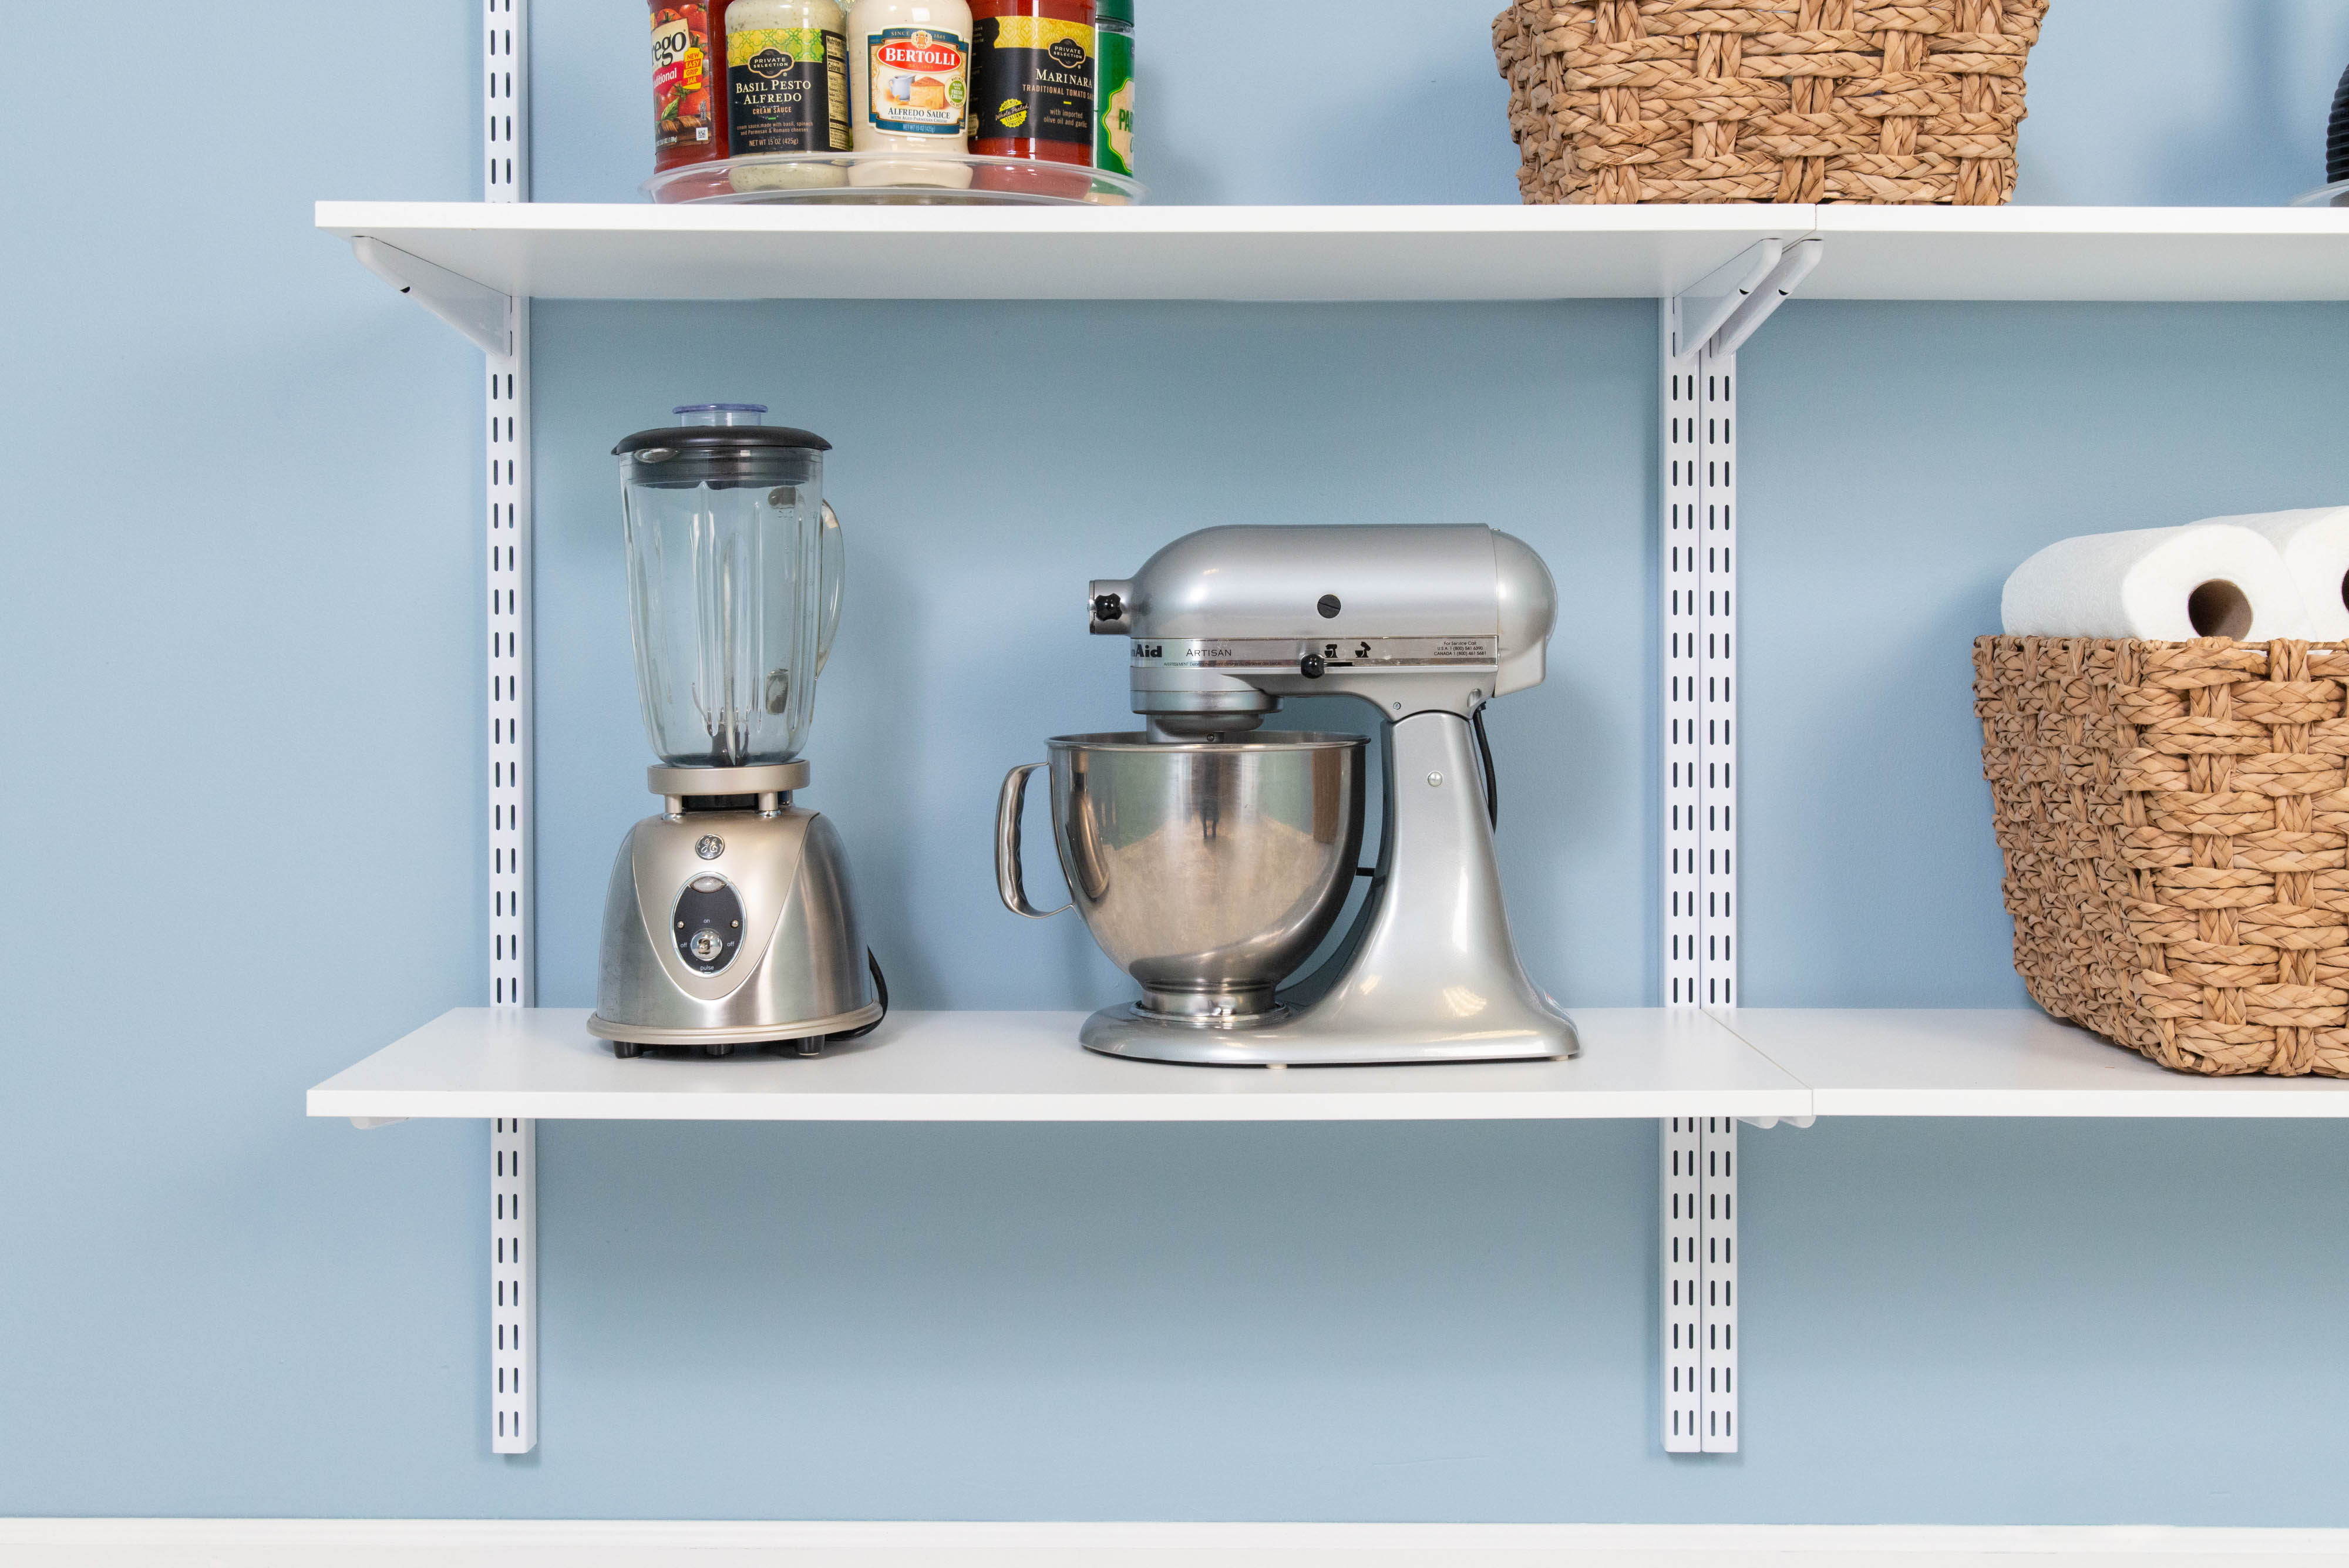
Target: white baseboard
{"points": [[633, 1543]]}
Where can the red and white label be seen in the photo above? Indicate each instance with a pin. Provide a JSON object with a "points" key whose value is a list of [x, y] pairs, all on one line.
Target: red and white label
{"points": [[922, 52]]}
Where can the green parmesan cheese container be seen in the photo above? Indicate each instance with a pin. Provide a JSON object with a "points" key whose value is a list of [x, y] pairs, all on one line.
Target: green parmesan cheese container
{"points": [[1113, 86]]}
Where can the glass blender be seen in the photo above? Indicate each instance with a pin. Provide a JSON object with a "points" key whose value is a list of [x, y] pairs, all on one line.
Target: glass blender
{"points": [[729, 919]]}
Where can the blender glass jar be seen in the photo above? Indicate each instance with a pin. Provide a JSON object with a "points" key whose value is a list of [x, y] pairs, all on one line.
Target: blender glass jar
{"points": [[734, 583]]}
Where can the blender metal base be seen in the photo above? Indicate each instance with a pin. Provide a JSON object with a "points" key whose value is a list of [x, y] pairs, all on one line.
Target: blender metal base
{"points": [[603, 1028], [798, 972], [1125, 1031]]}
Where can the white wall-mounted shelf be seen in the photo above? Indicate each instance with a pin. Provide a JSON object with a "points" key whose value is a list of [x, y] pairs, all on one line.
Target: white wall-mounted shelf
{"points": [[2000, 1062], [541, 1062], [577, 251], [1754, 1062]]}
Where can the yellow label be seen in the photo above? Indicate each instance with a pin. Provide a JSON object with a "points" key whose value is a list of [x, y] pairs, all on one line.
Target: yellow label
{"points": [[1041, 32], [794, 45]]}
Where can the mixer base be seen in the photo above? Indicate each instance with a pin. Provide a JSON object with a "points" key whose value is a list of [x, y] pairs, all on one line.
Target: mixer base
{"points": [[1296, 1041]]}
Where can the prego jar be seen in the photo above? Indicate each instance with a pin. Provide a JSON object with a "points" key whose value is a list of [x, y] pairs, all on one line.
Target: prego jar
{"points": [[688, 95]]}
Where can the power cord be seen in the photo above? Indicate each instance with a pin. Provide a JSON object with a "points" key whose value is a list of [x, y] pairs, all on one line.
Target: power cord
{"points": [[1491, 780], [880, 985]]}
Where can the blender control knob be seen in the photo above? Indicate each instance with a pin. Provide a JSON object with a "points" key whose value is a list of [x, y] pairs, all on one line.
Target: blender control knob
{"points": [[1310, 667], [707, 945]]}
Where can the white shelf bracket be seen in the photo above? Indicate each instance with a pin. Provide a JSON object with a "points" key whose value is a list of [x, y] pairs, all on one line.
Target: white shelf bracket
{"points": [[1701, 329], [1793, 265], [500, 326], [1709, 301], [479, 312]]}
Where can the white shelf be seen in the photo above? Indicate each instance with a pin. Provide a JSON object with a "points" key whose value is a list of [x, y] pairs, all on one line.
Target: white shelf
{"points": [[2007, 1063], [1028, 1067], [2238, 253], [577, 251]]}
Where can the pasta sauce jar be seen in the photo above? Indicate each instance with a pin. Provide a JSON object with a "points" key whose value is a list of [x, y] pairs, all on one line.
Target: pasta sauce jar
{"points": [[689, 95], [909, 90], [1032, 90]]}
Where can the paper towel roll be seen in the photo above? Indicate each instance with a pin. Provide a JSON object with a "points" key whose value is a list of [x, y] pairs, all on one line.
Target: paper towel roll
{"points": [[2205, 579], [2314, 544]]}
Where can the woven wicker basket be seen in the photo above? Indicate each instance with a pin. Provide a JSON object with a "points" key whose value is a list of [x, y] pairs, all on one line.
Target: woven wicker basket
{"points": [[2175, 821], [1806, 100]]}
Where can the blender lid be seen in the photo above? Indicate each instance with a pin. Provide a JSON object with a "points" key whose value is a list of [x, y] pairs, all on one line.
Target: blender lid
{"points": [[722, 437]]}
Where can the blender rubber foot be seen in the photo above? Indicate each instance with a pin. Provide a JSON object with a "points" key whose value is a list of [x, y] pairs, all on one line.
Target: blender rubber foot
{"points": [[813, 1047], [623, 1049], [721, 1049]]}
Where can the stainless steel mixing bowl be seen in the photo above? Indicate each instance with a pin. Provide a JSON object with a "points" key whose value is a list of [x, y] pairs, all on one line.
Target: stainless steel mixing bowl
{"points": [[1207, 870]]}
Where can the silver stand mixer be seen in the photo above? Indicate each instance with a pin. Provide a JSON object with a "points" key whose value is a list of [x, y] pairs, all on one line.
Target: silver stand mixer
{"points": [[730, 919], [1209, 860]]}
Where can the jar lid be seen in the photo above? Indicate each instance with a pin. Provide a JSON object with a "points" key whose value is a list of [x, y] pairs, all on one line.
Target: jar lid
{"points": [[722, 437], [1114, 11]]}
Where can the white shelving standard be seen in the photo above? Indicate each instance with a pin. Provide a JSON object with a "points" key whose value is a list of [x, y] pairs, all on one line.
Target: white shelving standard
{"points": [[512, 893], [1696, 379]]}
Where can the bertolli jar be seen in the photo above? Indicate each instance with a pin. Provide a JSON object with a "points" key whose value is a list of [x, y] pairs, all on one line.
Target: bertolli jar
{"points": [[909, 90]]}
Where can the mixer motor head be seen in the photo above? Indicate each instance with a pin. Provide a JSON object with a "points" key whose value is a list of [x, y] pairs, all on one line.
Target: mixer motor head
{"points": [[1410, 618]]}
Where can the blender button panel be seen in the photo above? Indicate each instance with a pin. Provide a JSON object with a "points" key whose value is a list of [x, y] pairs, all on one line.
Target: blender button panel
{"points": [[708, 924]]}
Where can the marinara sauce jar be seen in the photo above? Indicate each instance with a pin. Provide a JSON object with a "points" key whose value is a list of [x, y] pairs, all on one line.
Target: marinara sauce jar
{"points": [[689, 82], [1031, 91]]}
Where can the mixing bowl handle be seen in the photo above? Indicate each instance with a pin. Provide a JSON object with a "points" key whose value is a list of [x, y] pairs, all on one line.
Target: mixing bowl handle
{"points": [[1006, 846]]}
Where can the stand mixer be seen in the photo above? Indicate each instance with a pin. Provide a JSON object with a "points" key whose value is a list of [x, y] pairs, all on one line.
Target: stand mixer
{"points": [[730, 919], [1210, 859]]}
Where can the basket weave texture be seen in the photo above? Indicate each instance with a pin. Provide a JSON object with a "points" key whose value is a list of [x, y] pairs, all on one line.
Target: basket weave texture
{"points": [[1806, 101], [2175, 822]]}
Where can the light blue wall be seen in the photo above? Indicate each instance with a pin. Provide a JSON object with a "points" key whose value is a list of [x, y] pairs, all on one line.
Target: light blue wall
{"points": [[239, 619]]}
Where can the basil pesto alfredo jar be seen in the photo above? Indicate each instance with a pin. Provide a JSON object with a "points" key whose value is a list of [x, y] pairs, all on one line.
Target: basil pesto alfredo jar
{"points": [[787, 90]]}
